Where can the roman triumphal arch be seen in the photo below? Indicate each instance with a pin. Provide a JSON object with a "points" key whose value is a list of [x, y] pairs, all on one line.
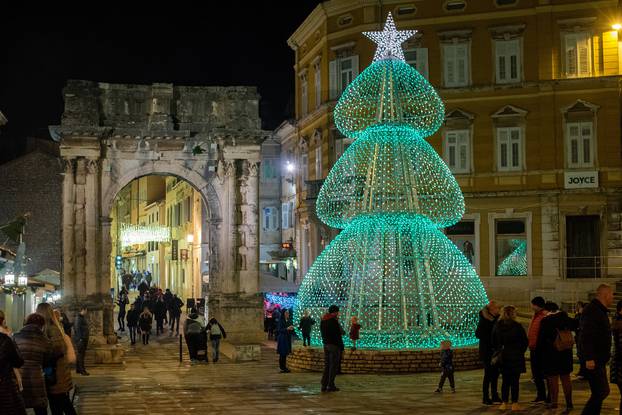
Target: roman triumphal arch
{"points": [[111, 134]]}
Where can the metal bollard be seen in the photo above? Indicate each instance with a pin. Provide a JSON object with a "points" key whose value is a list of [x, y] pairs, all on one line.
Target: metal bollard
{"points": [[180, 348]]}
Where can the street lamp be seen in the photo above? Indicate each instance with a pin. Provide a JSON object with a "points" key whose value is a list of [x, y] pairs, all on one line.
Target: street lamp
{"points": [[22, 280], [616, 26], [9, 279], [289, 166]]}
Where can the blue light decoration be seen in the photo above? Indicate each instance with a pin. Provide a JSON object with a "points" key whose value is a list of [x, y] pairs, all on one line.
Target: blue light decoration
{"points": [[515, 264], [280, 300], [391, 193]]}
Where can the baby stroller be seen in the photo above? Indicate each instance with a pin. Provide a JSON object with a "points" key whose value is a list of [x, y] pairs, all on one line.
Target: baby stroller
{"points": [[202, 347]]}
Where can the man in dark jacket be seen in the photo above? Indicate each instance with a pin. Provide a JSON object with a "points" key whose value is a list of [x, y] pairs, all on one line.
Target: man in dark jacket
{"points": [[175, 313], [82, 340], [596, 346], [305, 325], [488, 316], [333, 345]]}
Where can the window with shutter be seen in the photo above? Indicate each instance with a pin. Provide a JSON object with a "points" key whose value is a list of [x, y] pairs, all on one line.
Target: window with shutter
{"points": [[285, 215], [456, 64], [332, 79], [580, 143], [577, 54], [457, 150], [318, 162], [509, 149], [304, 96], [508, 60], [318, 86]]}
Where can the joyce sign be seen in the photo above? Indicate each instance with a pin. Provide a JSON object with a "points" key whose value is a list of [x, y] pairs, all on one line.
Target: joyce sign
{"points": [[580, 180]]}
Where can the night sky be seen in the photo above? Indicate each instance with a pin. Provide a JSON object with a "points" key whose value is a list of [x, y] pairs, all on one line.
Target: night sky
{"points": [[244, 44]]}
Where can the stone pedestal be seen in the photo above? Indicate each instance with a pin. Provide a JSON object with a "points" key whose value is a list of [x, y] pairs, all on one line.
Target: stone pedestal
{"points": [[383, 361], [241, 352]]}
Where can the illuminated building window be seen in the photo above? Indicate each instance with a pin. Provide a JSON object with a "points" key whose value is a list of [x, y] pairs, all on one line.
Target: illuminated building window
{"points": [[270, 219], [405, 10], [577, 54], [455, 5], [341, 72], [317, 82], [511, 247], [509, 148], [463, 235], [580, 143], [418, 59], [456, 65], [304, 94]]}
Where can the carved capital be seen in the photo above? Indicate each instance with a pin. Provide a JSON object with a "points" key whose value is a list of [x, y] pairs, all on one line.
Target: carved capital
{"points": [[91, 166], [253, 168], [69, 166]]}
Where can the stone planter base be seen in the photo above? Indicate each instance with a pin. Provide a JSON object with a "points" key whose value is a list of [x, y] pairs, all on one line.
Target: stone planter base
{"points": [[240, 352], [383, 361]]}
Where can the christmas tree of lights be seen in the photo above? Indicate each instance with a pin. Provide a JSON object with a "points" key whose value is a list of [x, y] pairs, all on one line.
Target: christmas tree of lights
{"points": [[391, 193]]}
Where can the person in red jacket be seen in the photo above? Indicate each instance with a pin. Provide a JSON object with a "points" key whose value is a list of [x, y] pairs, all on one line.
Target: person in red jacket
{"points": [[355, 328], [537, 373]]}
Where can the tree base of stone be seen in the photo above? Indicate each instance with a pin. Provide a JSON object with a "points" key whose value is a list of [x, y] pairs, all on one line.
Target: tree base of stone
{"points": [[383, 361]]}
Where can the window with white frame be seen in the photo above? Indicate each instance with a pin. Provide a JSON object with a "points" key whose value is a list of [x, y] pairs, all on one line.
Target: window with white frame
{"points": [[508, 60], [463, 235], [577, 54], [317, 79], [270, 219], [456, 64], [458, 151], [580, 144], [285, 216], [341, 72], [304, 95], [418, 59], [318, 162], [509, 148]]}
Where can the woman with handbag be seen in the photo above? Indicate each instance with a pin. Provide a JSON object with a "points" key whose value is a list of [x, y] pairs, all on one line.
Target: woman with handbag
{"points": [[58, 376], [36, 349], [554, 344], [510, 342]]}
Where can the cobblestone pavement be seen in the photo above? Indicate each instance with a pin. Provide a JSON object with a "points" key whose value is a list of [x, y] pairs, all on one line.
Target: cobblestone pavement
{"points": [[152, 381]]}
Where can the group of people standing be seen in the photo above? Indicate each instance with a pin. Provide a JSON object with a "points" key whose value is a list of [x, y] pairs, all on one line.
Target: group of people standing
{"points": [[35, 362], [197, 332], [550, 340], [149, 305]]}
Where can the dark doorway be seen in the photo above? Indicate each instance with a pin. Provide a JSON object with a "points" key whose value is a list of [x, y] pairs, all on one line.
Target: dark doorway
{"points": [[583, 246]]}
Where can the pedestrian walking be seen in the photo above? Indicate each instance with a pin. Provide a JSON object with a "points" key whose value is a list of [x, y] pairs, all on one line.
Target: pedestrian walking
{"points": [[596, 347], [11, 400], [577, 318], [81, 338], [122, 302], [58, 375], [488, 317], [284, 340], [132, 323], [176, 305], [616, 358], [305, 326], [145, 321], [554, 345], [36, 350], [510, 342], [537, 374], [447, 367], [193, 333], [216, 333], [332, 333], [160, 315], [355, 329]]}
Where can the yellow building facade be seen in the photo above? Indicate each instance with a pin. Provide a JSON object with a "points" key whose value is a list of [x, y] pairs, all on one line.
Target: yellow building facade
{"points": [[532, 131], [161, 201]]}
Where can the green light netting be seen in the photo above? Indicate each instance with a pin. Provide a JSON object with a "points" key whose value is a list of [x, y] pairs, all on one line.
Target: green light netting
{"points": [[391, 266], [409, 285], [389, 91], [516, 262], [390, 169]]}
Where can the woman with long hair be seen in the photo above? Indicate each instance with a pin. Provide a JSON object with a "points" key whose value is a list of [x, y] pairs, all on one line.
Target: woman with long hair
{"points": [[58, 381], [510, 342], [144, 322]]}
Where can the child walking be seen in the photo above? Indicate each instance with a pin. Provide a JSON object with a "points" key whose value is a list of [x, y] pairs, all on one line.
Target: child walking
{"points": [[447, 366], [355, 328]]}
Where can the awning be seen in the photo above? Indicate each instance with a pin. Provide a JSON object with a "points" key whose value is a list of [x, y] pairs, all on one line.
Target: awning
{"points": [[47, 276]]}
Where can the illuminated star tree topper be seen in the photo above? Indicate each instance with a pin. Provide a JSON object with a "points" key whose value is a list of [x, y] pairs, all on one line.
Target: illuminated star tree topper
{"points": [[390, 40]]}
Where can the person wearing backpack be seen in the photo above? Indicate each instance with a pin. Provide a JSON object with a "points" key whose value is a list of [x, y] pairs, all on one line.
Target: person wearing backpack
{"points": [[216, 332], [555, 342], [193, 330]]}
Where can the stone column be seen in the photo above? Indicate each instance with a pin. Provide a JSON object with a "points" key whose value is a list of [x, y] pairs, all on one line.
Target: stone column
{"points": [[104, 279], [91, 221], [248, 229], [68, 271], [79, 230]]}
